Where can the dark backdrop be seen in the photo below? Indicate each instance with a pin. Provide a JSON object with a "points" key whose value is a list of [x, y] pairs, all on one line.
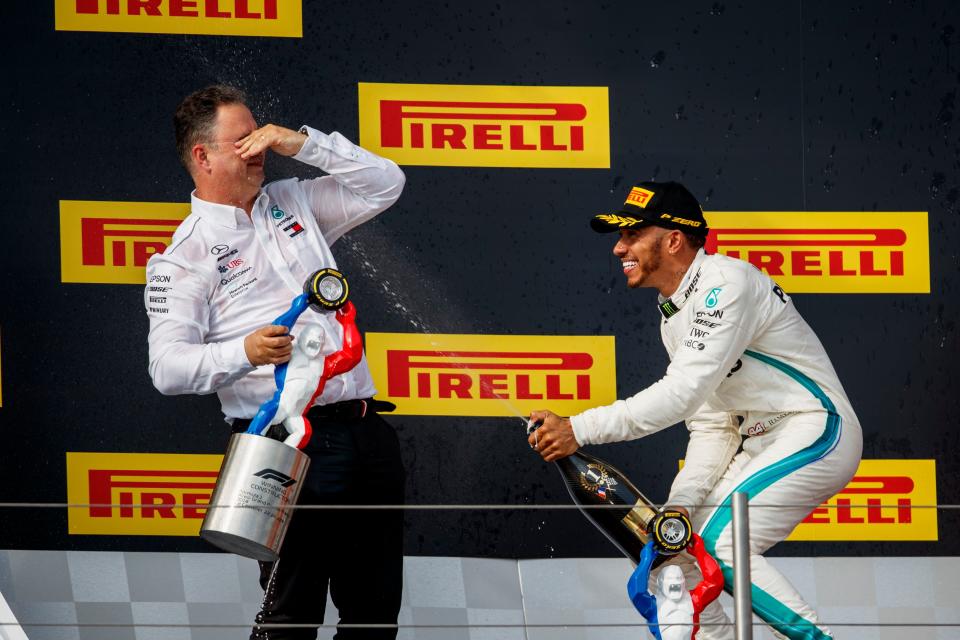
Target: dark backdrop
{"points": [[810, 105]]}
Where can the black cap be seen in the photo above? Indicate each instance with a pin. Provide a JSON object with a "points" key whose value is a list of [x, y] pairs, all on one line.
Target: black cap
{"points": [[664, 204]]}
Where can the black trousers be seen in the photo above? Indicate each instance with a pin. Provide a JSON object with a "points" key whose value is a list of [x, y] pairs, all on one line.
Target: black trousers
{"points": [[358, 553]]}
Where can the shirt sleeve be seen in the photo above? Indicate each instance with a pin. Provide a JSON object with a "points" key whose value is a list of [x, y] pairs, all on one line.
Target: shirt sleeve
{"points": [[180, 362], [703, 358], [714, 440], [360, 184]]}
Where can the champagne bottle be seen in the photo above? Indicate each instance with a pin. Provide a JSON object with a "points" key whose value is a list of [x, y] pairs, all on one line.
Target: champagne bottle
{"points": [[630, 519]]}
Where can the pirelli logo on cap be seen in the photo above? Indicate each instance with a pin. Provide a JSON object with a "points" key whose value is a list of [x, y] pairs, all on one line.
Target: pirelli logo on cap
{"points": [[139, 494], [887, 500], [639, 197], [486, 126], [474, 375], [277, 18], [826, 252], [110, 242]]}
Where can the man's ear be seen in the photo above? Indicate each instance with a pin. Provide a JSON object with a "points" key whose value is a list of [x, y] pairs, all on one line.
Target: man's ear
{"points": [[675, 241], [199, 156]]}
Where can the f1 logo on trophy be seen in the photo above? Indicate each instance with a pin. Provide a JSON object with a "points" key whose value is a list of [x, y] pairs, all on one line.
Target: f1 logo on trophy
{"points": [[261, 477]]}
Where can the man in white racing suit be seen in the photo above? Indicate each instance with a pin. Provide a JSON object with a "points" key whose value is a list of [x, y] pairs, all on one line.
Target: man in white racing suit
{"points": [[233, 266], [744, 367]]}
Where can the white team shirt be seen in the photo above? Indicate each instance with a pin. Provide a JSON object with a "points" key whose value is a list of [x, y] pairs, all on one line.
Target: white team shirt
{"points": [[724, 307], [226, 274]]}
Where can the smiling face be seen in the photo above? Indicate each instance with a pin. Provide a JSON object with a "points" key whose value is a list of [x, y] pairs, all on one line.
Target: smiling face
{"points": [[641, 253]]}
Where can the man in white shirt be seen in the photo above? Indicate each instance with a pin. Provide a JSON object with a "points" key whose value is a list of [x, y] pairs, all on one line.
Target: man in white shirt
{"points": [[742, 363], [236, 263]]}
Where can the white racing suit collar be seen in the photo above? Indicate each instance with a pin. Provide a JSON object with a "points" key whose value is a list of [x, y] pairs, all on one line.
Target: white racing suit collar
{"points": [[688, 285]]}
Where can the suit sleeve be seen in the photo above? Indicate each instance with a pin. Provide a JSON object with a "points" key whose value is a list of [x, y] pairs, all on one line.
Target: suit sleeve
{"points": [[703, 358], [360, 184], [177, 307]]}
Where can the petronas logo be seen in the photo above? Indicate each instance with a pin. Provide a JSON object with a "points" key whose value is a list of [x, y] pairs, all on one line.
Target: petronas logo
{"points": [[713, 297]]}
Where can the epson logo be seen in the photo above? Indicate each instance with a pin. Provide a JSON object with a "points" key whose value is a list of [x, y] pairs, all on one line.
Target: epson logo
{"points": [[280, 478], [716, 313]]}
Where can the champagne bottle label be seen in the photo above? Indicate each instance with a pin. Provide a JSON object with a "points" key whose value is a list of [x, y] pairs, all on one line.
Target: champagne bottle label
{"points": [[596, 479]]}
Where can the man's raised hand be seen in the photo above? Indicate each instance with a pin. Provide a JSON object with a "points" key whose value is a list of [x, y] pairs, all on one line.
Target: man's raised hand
{"points": [[281, 140]]}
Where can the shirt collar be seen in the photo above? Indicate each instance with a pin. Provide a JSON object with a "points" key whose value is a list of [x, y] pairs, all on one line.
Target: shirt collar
{"points": [[224, 215], [688, 284]]}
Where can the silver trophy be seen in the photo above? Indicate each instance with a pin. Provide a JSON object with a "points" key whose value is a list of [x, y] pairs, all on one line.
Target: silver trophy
{"points": [[260, 478]]}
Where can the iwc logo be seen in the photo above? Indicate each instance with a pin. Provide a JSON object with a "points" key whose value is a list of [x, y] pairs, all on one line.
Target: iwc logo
{"points": [[596, 480]]}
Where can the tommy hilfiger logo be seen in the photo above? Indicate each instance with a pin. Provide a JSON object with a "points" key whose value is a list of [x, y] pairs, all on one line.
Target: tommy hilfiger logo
{"points": [[288, 223], [294, 229]]}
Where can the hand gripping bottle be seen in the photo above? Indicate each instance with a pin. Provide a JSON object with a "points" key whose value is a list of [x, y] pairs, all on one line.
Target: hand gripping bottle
{"points": [[619, 510]]}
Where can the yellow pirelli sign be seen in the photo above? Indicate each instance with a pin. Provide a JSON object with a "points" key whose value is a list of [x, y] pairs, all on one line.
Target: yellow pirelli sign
{"points": [[267, 18], [139, 494], [486, 126], [110, 242], [829, 252], [489, 375], [879, 505], [885, 501]]}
